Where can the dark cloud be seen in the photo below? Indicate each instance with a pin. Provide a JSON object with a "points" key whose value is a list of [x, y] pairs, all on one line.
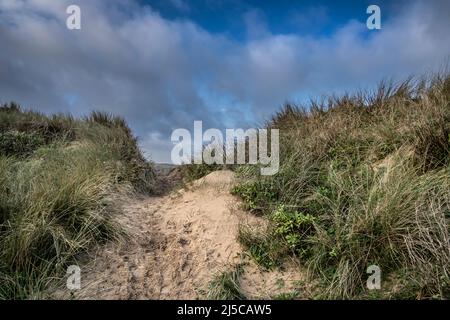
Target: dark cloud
{"points": [[163, 74]]}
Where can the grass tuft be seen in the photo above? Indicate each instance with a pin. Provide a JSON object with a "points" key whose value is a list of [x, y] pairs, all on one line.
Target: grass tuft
{"points": [[225, 285]]}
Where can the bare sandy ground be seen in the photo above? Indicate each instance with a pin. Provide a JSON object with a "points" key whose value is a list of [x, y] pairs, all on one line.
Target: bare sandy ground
{"points": [[177, 243]]}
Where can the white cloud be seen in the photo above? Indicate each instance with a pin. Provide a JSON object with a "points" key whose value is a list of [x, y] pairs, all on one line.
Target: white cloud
{"points": [[131, 61]]}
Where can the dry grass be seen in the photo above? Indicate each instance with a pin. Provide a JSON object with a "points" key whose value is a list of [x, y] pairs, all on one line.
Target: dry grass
{"points": [[56, 192], [373, 170]]}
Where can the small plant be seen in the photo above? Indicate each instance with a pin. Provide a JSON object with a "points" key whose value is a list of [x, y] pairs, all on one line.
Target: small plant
{"points": [[263, 248], [294, 228], [225, 285], [258, 196]]}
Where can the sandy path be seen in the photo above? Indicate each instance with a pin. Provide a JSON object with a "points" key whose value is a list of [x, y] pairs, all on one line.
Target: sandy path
{"points": [[178, 242]]}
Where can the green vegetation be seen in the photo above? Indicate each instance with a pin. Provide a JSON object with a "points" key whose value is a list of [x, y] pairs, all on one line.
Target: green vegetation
{"points": [[264, 248], [225, 285], [58, 178], [364, 179]]}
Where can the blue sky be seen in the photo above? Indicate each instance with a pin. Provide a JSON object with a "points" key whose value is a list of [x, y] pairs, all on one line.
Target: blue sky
{"points": [[316, 18], [162, 64]]}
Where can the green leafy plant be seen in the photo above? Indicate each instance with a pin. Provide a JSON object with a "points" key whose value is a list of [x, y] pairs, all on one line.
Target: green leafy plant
{"points": [[257, 195], [293, 227]]}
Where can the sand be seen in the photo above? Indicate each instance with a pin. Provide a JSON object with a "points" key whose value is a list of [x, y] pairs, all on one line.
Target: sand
{"points": [[177, 243]]}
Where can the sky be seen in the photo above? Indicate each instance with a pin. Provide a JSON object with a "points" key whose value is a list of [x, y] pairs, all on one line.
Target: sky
{"points": [[163, 64]]}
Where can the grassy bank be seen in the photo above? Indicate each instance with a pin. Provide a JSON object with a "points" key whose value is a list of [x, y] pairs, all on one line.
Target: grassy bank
{"points": [[364, 180], [58, 178]]}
